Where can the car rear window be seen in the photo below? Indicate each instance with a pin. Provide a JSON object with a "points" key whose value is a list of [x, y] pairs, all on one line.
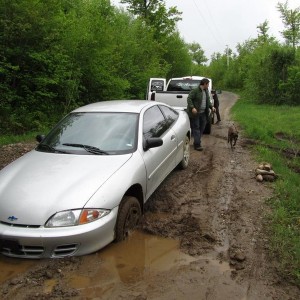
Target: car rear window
{"points": [[182, 85]]}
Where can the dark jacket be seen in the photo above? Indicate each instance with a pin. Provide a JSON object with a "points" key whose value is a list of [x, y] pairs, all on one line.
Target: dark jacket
{"points": [[194, 100]]}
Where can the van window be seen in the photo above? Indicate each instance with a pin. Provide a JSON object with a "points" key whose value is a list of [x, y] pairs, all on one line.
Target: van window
{"points": [[183, 85]]}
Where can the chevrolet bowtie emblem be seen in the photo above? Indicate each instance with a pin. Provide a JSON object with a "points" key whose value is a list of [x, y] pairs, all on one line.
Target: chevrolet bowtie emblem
{"points": [[12, 218]]}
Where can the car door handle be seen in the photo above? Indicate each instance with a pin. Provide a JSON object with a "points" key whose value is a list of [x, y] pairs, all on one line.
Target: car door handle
{"points": [[173, 137], [179, 96]]}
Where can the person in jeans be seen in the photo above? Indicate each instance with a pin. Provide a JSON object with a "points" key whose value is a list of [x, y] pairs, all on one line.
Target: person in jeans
{"points": [[198, 105], [216, 105]]}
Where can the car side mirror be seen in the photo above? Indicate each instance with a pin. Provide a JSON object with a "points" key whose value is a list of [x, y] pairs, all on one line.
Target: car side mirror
{"points": [[152, 143]]}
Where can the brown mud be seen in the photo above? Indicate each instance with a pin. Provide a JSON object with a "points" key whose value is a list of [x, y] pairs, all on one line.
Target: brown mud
{"points": [[203, 236]]}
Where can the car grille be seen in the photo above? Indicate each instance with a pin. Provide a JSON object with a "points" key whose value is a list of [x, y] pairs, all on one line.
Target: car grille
{"points": [[20, 225], [13, 248], [65, 250]]}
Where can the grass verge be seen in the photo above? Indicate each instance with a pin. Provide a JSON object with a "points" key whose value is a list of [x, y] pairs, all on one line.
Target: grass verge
{"points": [[11, 139], [276, 130]]}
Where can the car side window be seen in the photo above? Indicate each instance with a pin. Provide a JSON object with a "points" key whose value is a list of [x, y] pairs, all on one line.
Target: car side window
{"points": [[170, 114], [154, 123]]}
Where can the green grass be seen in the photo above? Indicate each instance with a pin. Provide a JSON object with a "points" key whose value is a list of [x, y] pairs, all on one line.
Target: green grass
{"points": [[265, 123], [11, 139]]}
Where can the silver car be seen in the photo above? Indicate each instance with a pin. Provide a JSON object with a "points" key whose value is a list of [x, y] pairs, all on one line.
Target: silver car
{"points": [[86, 183]]}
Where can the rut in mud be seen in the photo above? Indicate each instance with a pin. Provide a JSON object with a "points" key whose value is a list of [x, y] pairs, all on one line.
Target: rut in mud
{"points": [[202, 237]]}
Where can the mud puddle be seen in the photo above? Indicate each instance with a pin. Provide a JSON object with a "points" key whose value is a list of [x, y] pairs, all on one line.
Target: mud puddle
{"points": [[11, 267], [128, 262]]}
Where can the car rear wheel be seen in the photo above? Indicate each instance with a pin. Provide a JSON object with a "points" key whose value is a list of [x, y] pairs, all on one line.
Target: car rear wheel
{"points": [[186, 154], [128, 217]]}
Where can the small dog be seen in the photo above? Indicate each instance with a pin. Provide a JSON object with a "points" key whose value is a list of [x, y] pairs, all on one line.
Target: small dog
{"points": [[232, 136]]}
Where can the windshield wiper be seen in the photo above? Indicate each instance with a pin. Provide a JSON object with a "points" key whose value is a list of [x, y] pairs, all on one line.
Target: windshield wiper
{"points": [[87, 148], [50, 148]]}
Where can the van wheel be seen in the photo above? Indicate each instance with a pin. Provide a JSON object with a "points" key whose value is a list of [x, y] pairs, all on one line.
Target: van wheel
{"points": [[186, 154], [128, 217]]}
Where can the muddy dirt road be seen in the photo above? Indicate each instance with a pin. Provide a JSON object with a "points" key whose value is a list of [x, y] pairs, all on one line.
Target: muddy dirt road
{"points": [[202, 237]]}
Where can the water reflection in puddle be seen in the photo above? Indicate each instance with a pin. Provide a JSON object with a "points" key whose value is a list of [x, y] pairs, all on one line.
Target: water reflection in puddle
{"points": [[11, 267], [129, 262]]}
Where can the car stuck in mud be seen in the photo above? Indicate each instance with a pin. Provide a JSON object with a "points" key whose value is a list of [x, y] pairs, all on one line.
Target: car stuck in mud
{"points": [[86, 183]]}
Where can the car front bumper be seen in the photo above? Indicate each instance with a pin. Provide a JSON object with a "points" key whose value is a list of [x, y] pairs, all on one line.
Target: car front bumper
{"points": [[41, 242]]}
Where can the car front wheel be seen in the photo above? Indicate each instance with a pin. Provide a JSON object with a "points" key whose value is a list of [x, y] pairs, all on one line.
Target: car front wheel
{"points": [[128, 217]]}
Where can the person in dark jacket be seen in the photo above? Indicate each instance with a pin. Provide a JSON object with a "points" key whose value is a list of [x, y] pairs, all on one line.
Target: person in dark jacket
{"points": [[216, 105], [198, 105]]}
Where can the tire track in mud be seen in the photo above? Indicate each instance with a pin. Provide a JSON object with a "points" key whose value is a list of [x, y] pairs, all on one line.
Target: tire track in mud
{"points": [[180, 208]]}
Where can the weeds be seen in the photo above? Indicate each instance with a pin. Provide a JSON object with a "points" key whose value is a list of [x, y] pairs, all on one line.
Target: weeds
{"points": [[277, 140]]}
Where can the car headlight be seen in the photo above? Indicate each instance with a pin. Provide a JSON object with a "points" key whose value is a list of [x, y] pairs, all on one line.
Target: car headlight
{"points": [[75, 217]]}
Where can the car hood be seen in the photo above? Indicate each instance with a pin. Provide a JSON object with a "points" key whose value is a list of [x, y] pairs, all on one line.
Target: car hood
{"points": [[39, 184]]}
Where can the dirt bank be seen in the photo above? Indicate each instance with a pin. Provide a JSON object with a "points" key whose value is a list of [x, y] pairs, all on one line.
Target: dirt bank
{"points": [[202, 237]]}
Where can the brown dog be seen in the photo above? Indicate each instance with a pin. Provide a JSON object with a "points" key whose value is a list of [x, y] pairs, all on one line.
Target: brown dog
{"points": [[232, 136]]}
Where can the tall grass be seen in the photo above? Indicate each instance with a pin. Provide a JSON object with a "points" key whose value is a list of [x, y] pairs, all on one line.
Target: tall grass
{"points": [[276, 130]]}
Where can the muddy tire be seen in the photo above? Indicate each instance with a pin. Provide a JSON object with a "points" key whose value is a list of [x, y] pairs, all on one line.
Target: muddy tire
{"points": [[186, 154], [128, 217]]}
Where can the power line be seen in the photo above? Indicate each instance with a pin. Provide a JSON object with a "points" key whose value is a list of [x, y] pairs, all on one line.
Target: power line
{"points": [[206, 23]]}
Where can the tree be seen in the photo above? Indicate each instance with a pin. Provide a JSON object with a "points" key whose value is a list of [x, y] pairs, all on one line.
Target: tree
{"points": [[291, 21], [177, 56], [263, 29], [197, 53], [155, 14]]}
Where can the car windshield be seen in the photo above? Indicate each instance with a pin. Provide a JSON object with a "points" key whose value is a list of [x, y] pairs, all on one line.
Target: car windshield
{"points": [[97, 133]]}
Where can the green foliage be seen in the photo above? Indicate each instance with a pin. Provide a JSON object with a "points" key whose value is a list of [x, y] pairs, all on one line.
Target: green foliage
{"points": [[197, 53], [291, 21], [268, 67], [60, 54], [178, 59], [265, 69], [290, 88], [156, 15], [276, 129], [218, 70], [11, 139]]}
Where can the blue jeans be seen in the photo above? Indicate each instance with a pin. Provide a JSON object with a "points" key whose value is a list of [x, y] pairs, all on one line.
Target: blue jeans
{"points": [[198, 124]]}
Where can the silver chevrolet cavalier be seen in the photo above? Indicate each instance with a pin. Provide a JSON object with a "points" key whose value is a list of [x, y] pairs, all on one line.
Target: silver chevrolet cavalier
{"points": [[86, 182]]}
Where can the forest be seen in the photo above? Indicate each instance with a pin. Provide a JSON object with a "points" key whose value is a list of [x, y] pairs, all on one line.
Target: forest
{"points": [[56, 55]]}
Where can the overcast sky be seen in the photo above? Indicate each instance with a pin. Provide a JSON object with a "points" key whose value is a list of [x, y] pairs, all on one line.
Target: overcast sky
{"points": [[214, 24]]}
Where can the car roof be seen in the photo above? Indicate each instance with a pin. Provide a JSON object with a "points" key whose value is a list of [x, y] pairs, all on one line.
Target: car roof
{"points": [[133, 106]]}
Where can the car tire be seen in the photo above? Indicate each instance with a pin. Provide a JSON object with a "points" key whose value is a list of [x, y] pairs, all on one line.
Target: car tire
{"points": [[186, 154], [128, 217]]}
